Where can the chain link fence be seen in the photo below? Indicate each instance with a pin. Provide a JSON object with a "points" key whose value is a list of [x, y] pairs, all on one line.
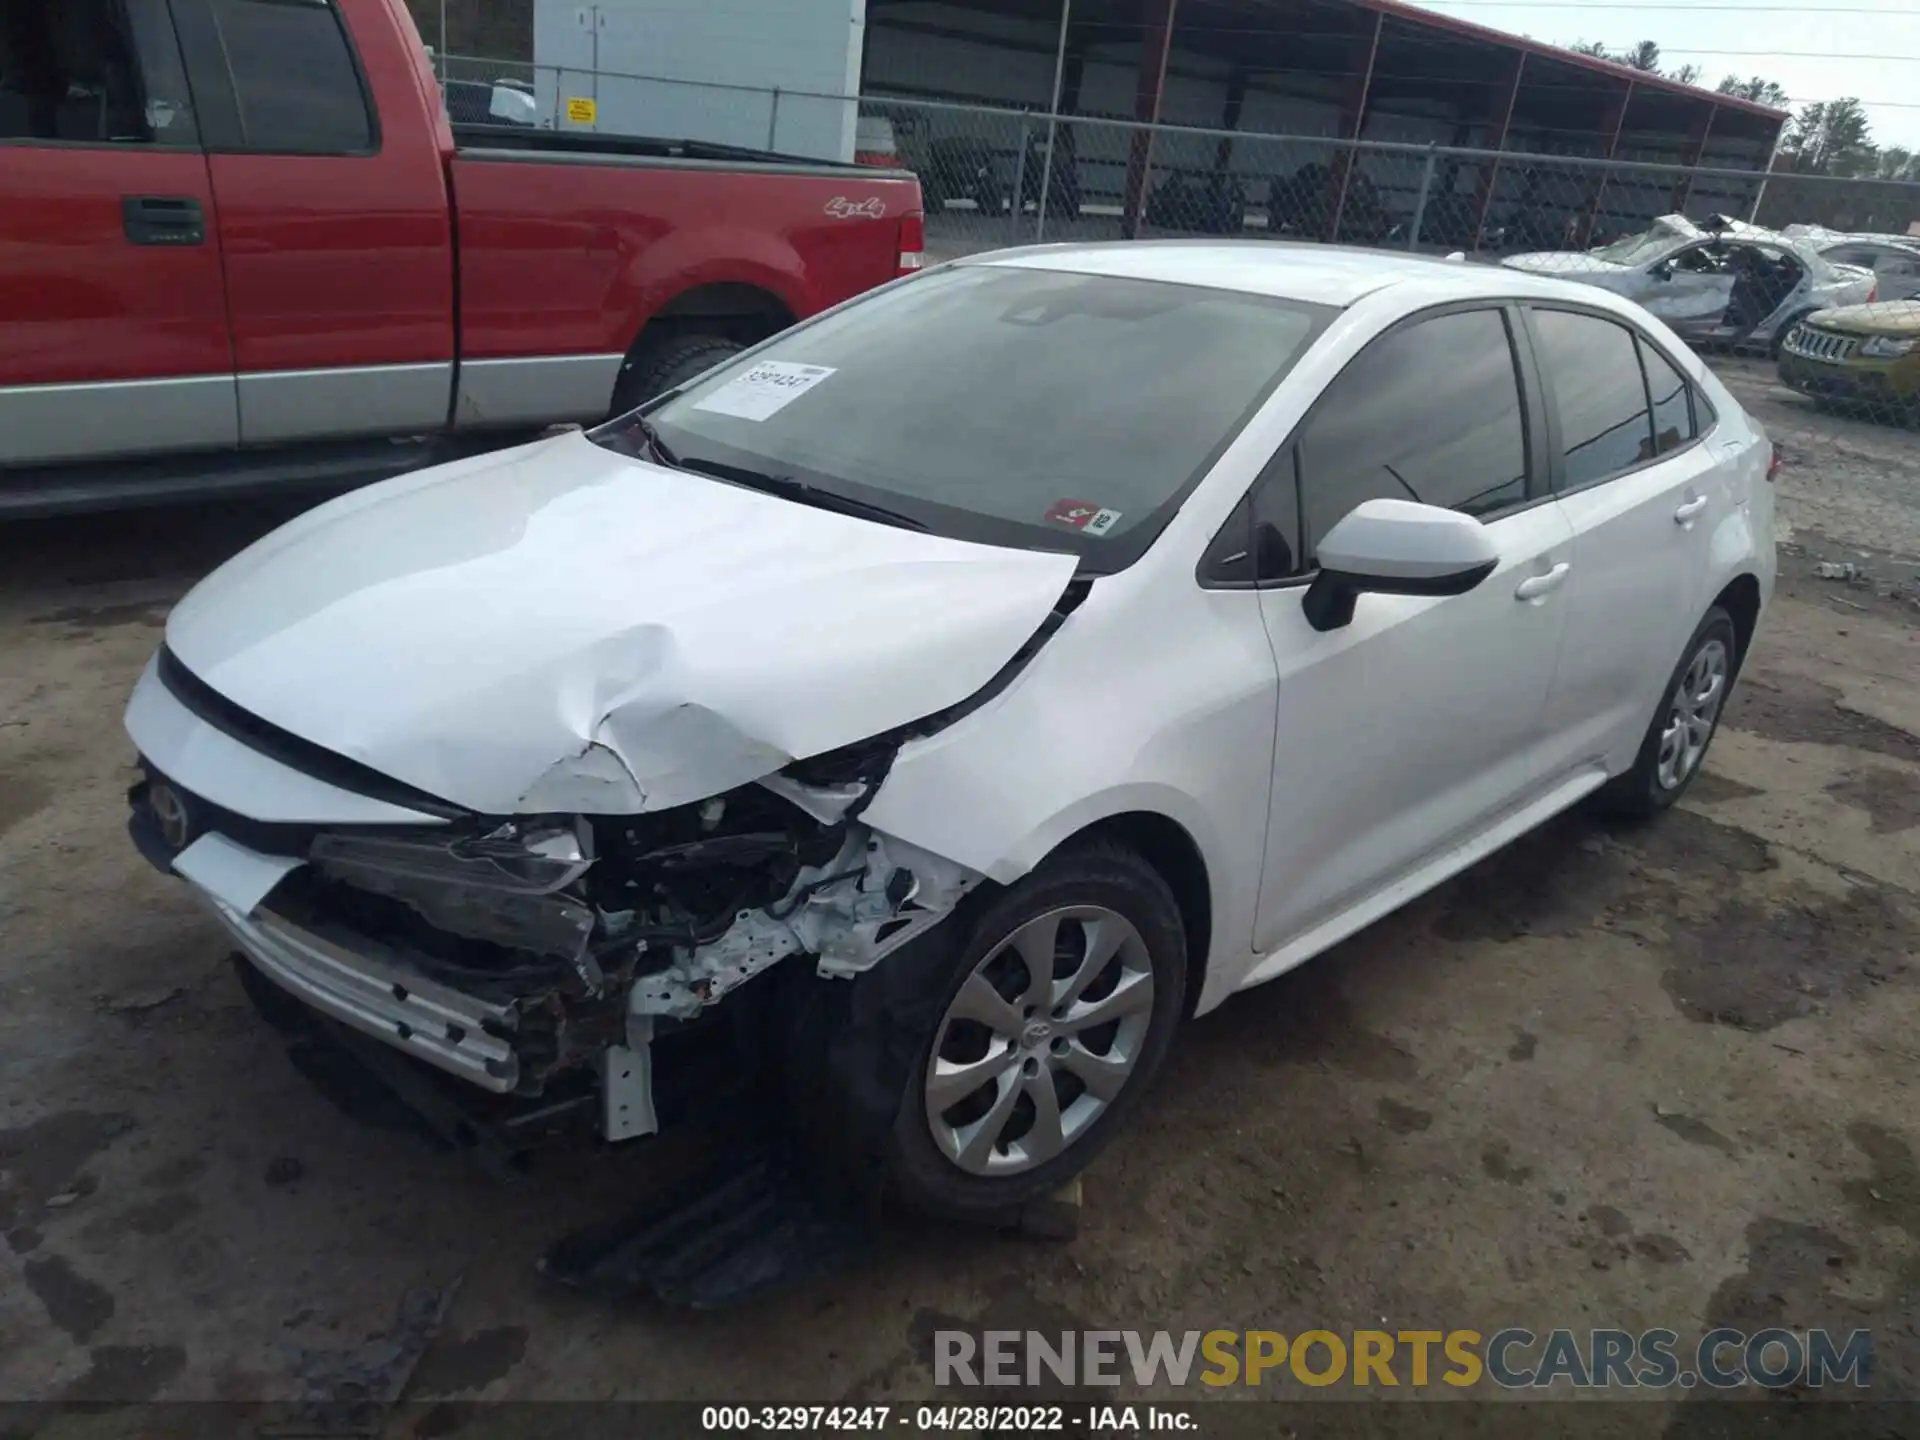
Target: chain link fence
{"points": [[1816, 274]]}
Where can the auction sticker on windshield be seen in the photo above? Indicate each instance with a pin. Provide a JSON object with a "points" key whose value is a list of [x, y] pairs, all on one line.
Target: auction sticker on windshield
{"points": [[765, 390], [1089, 519]]}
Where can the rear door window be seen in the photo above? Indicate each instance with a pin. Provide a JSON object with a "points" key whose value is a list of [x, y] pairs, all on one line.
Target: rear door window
{"points": [[1599, 395], [1672, 414], [294, 77]]}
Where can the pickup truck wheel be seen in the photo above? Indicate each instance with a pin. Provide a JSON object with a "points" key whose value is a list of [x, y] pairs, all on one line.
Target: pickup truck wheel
{"points": [[668, 365]]}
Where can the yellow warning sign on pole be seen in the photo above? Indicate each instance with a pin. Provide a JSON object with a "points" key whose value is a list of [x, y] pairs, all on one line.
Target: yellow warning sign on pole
{"points": [[582, 111]]}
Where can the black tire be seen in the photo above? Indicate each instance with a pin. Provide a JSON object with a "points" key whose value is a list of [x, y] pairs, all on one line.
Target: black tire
{"points": [[1096, 873], [1639, 793], [660, 368]]}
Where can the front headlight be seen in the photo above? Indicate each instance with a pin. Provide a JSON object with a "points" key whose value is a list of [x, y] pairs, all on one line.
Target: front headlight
{"points": [[1886, 347]]}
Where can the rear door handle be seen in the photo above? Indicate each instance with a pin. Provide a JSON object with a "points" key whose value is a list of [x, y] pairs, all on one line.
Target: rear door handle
{"points": [[163, 219], [1687, 511], [1534, 586]]}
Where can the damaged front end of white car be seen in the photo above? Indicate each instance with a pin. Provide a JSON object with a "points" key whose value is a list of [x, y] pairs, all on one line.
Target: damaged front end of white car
{"points": [[537, 851], [520, 954]]}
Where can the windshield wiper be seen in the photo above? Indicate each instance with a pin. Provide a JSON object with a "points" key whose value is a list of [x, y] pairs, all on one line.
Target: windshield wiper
{"points": [[788, 488], [648, 432]]}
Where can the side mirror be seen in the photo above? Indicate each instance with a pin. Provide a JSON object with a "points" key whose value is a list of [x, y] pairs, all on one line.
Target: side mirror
{"points": [[1662, 271], [1395, 547]]}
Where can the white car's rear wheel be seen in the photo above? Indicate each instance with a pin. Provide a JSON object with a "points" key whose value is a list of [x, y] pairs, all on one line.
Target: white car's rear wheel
{"points": [[1675, 745], [1057, 1012]]}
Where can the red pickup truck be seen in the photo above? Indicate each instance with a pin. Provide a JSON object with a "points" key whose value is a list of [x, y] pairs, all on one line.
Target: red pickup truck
{"points": [[242, 246]]}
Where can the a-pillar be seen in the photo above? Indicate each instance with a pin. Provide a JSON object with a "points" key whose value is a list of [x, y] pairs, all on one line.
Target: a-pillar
{"points": [[1150, 88]]}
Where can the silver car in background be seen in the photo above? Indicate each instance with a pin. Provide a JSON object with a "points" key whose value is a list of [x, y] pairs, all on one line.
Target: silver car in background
{"points": [[1894, 259], [1724, 281]]}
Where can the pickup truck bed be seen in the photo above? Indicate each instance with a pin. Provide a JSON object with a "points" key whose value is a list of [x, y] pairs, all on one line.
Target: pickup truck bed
{"points": [[255, 253]]}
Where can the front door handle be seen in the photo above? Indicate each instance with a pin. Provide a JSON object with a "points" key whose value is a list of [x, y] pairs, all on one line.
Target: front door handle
{"points": [[163, 219], [1534, 586], [1686, 512]]}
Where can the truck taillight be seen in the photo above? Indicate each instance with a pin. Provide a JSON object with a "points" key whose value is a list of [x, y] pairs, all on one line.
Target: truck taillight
{"points": [[1773, 463], [1873, 293], [913, 242]]}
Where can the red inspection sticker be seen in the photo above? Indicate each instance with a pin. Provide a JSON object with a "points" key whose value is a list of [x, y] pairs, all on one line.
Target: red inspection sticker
{"points": [[1080, 515]]}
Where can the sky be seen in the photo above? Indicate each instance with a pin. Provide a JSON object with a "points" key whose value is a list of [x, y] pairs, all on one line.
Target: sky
{"points": [[1687, 30]]}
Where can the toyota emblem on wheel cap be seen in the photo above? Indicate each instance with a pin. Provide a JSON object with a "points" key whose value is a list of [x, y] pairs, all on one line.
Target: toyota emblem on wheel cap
{"points": [[176, 826]]}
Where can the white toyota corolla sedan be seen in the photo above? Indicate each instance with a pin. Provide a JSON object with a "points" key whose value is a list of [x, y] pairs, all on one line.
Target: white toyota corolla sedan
{"points": [[946, 698]]}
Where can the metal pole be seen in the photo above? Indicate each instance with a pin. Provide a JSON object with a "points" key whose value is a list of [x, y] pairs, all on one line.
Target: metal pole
{"points": [[1420, 202], [1753, 215], [1053, 122], [773, 119], [1019, 188], [443, 42]]}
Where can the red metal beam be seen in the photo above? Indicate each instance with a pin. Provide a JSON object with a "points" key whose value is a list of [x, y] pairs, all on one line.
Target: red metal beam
{"points": [[1149, 89], [1616, 126], [1447, 23], [1353, 121], [1696, 150], [1490, 172]]}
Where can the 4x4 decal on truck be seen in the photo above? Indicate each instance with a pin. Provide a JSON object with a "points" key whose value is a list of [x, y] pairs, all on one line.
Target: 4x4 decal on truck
{"points": [[841, 208]]}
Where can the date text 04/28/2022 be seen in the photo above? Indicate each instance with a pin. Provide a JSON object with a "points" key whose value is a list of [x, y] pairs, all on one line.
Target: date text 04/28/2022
{"points": [[935, 1419]]}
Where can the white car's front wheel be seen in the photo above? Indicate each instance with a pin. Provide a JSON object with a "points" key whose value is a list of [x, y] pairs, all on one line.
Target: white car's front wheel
{"points": [[1056, 1014]]}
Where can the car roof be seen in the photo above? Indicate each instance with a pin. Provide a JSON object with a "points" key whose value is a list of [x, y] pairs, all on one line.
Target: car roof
{"points": [[1335, 275]]}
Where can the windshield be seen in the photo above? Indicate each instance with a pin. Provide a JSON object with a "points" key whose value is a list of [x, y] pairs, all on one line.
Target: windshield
{"points": [[1641, 249], [1000, 404]]}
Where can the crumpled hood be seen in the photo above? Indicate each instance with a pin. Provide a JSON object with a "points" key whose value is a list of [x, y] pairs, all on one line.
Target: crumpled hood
{"points": [[1572, 265], [558, 627]]}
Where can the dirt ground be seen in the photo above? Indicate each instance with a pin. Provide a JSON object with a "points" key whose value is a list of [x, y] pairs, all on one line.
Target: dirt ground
{"points": [[1654, 1078]]}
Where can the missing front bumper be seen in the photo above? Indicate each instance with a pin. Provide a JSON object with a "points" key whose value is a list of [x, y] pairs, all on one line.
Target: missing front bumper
{"points": [[376, 996]]}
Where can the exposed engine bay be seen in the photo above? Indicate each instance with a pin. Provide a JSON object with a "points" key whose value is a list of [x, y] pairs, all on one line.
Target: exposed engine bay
{"points": [[588, 931]]}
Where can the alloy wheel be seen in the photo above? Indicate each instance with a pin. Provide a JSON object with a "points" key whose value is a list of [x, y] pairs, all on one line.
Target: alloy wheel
{"points": [[1039, 1040], [1691, 713]]}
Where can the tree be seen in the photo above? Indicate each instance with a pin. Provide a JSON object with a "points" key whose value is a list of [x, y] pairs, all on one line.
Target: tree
{"points": [[1757, 89], [1831, 137], [1896, 162], [1642, 55]]}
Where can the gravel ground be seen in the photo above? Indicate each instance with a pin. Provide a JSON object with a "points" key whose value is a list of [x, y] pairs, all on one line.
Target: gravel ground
{"points": [[1635, 1078]]}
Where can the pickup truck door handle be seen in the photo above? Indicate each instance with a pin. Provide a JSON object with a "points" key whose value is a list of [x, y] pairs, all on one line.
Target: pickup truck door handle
{"points": [[163, 219], [1687, 511], [1534, 586]]}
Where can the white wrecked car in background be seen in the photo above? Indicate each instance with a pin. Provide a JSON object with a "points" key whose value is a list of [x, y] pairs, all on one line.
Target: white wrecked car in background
{"points": [[1726, 281], [1894, 259], [937, 704]]}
